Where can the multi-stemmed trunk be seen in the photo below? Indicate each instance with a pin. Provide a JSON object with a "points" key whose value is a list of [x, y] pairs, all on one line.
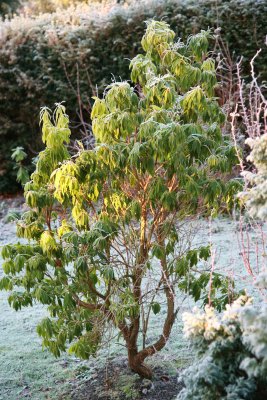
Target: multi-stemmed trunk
{"points": [[136, 358], [137, 365]]}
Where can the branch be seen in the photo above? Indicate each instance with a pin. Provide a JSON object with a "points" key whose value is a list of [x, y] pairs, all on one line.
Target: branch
{"points": [[89, 306]]}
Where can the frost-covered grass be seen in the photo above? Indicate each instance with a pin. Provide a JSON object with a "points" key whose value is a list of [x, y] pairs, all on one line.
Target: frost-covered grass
{"points": [[26, 371]]}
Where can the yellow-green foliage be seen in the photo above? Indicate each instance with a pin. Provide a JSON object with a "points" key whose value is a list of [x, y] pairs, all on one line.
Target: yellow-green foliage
{"points": [[47, 242], [102, 221]]}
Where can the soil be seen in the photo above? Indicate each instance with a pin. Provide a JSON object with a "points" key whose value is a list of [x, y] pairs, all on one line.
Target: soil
{"points": [[117, 382]]}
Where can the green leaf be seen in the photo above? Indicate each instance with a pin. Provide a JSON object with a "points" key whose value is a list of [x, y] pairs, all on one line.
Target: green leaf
{"points": [[18, 154], [155, 308], [158, 251]]}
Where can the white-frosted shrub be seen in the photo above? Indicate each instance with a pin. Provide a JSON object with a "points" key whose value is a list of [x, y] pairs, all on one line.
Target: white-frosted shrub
{"points": [[255, 196], [231, 352]]}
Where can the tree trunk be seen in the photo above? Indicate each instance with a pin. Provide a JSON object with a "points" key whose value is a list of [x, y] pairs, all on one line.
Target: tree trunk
{"points": [[137, 365], [136, 359]]}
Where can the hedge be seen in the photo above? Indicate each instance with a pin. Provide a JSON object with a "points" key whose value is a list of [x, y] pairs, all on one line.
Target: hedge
{"points": [[40, 56], [8, 7], [43, 6]]}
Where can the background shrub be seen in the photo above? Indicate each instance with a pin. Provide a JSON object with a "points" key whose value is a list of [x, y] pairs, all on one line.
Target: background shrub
{"points": [[44, 6], [8, 6], [43, 57]]}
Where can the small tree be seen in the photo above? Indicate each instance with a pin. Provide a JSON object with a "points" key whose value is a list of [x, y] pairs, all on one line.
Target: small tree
{"points": [[101, 224]]}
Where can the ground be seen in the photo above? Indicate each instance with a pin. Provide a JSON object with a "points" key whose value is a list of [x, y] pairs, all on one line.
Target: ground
{"points": [[29, 372]]}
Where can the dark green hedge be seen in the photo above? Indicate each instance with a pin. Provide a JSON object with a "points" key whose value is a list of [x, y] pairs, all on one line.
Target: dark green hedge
{"points": [[8, 7], [34, 54]]}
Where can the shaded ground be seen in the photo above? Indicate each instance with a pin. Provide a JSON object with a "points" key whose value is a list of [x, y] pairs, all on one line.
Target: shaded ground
{"points": [[116, 381]]}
